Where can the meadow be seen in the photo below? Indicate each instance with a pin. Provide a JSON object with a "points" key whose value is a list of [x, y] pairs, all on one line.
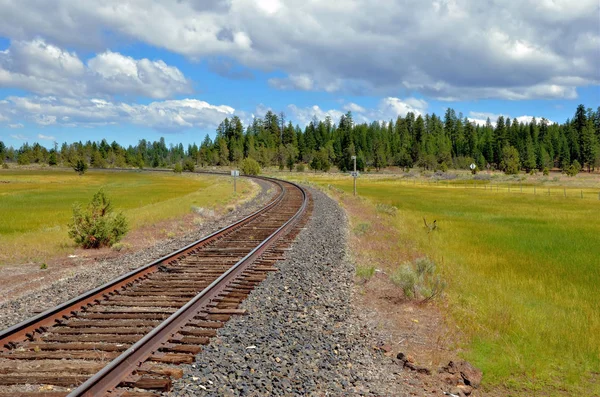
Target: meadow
{"points": [[522, 269], [36, 205]]}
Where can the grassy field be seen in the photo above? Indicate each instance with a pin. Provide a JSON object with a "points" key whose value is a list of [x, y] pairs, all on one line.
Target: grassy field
{"points": [[35, 205], [523, 272]]}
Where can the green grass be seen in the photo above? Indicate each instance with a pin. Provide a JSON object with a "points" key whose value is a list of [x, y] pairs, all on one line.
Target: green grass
{"points": [[523, 275], [35, 205]]}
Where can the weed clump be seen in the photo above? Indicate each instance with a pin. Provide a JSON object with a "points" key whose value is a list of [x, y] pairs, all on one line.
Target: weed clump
{"points": [[418, 279], [97, 225], [386, 209], [361, 229], [365, 272]]}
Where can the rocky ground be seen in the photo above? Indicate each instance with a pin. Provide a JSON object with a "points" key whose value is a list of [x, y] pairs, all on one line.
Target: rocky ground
{"points": [[303, 334], [88, 274]]}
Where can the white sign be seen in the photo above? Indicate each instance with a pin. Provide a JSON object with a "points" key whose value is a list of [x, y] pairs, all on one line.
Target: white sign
{"points": [[354, 173], [472, 166], [235, 173]]}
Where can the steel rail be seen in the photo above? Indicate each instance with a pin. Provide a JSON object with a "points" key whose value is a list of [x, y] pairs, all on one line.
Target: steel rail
{"points": [[111, 375], [21, 331]]}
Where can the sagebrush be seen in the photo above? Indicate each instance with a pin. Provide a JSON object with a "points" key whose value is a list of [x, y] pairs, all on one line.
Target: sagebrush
{"points": [[97, 225]]}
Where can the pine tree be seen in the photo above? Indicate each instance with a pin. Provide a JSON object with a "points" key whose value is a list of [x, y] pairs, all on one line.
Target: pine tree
{"points": [[589, 149]]}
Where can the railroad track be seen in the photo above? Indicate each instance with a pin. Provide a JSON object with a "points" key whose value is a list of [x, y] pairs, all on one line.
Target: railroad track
{"points": [[126, 337]]}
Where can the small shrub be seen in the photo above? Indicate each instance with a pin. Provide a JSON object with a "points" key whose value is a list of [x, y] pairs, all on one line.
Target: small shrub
{"points": [[43, 266], [443, 167], [80, 166], [300, 167], [573, 169], [120, 247], [250, 166], [189, 165], [418, 279], [386, 209], [361, 229], [5, 166], [178, 169], [97, 225], [365, 272], [546, 172], [405, 278]]}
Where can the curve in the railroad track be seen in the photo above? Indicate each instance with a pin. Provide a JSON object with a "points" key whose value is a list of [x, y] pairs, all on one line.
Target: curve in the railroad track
{"points": [[126, 337]]}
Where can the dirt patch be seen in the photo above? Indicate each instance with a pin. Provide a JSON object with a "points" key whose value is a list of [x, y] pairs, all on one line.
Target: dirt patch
{"points": [[422, 347]]}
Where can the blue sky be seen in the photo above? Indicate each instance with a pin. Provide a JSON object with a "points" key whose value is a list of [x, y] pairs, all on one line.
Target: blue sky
{"points": [[127, 70]]}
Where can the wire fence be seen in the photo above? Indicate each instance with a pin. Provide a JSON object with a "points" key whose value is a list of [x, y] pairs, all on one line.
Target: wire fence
{"points": [[508, 187]]}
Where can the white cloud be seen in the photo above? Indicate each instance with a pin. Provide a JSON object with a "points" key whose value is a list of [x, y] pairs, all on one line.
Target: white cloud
{"points": [[46, 137], [388, 109], [293, 82], [305, 115], [48, 70], [16, 126], [171, 115], [447, 49], [19, 137], [353, 107], [480, 118]]}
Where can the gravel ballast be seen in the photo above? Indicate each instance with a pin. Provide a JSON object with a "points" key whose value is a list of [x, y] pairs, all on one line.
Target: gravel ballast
{"points": [[301, 335], [87, 277]]}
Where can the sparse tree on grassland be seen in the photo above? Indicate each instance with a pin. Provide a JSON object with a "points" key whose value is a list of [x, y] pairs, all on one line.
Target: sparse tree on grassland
{"points": [[510, 160]]}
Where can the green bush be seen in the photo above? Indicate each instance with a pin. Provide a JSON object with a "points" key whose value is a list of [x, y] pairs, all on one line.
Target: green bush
{"points": [[545, 171], [178, 169], [250, 166], [573, 169], [405, 277], [97, 225], [5, 166], [418, 279], [80, 166], [300, 167], [189, 165]]}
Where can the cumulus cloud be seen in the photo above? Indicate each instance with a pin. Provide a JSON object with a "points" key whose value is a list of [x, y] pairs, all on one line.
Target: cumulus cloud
{"points": [[480, 118], [46, 69], [46, 137], [388, 109], [305, 115], [446, 49], [19, 137], [170, 115]]}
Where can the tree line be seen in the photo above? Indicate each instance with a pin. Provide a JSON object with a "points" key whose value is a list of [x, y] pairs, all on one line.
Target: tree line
{"points": [[427, 141]]}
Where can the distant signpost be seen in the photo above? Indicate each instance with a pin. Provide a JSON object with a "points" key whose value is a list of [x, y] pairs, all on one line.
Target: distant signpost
{"points": [[354, 174], [235, 174]]}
